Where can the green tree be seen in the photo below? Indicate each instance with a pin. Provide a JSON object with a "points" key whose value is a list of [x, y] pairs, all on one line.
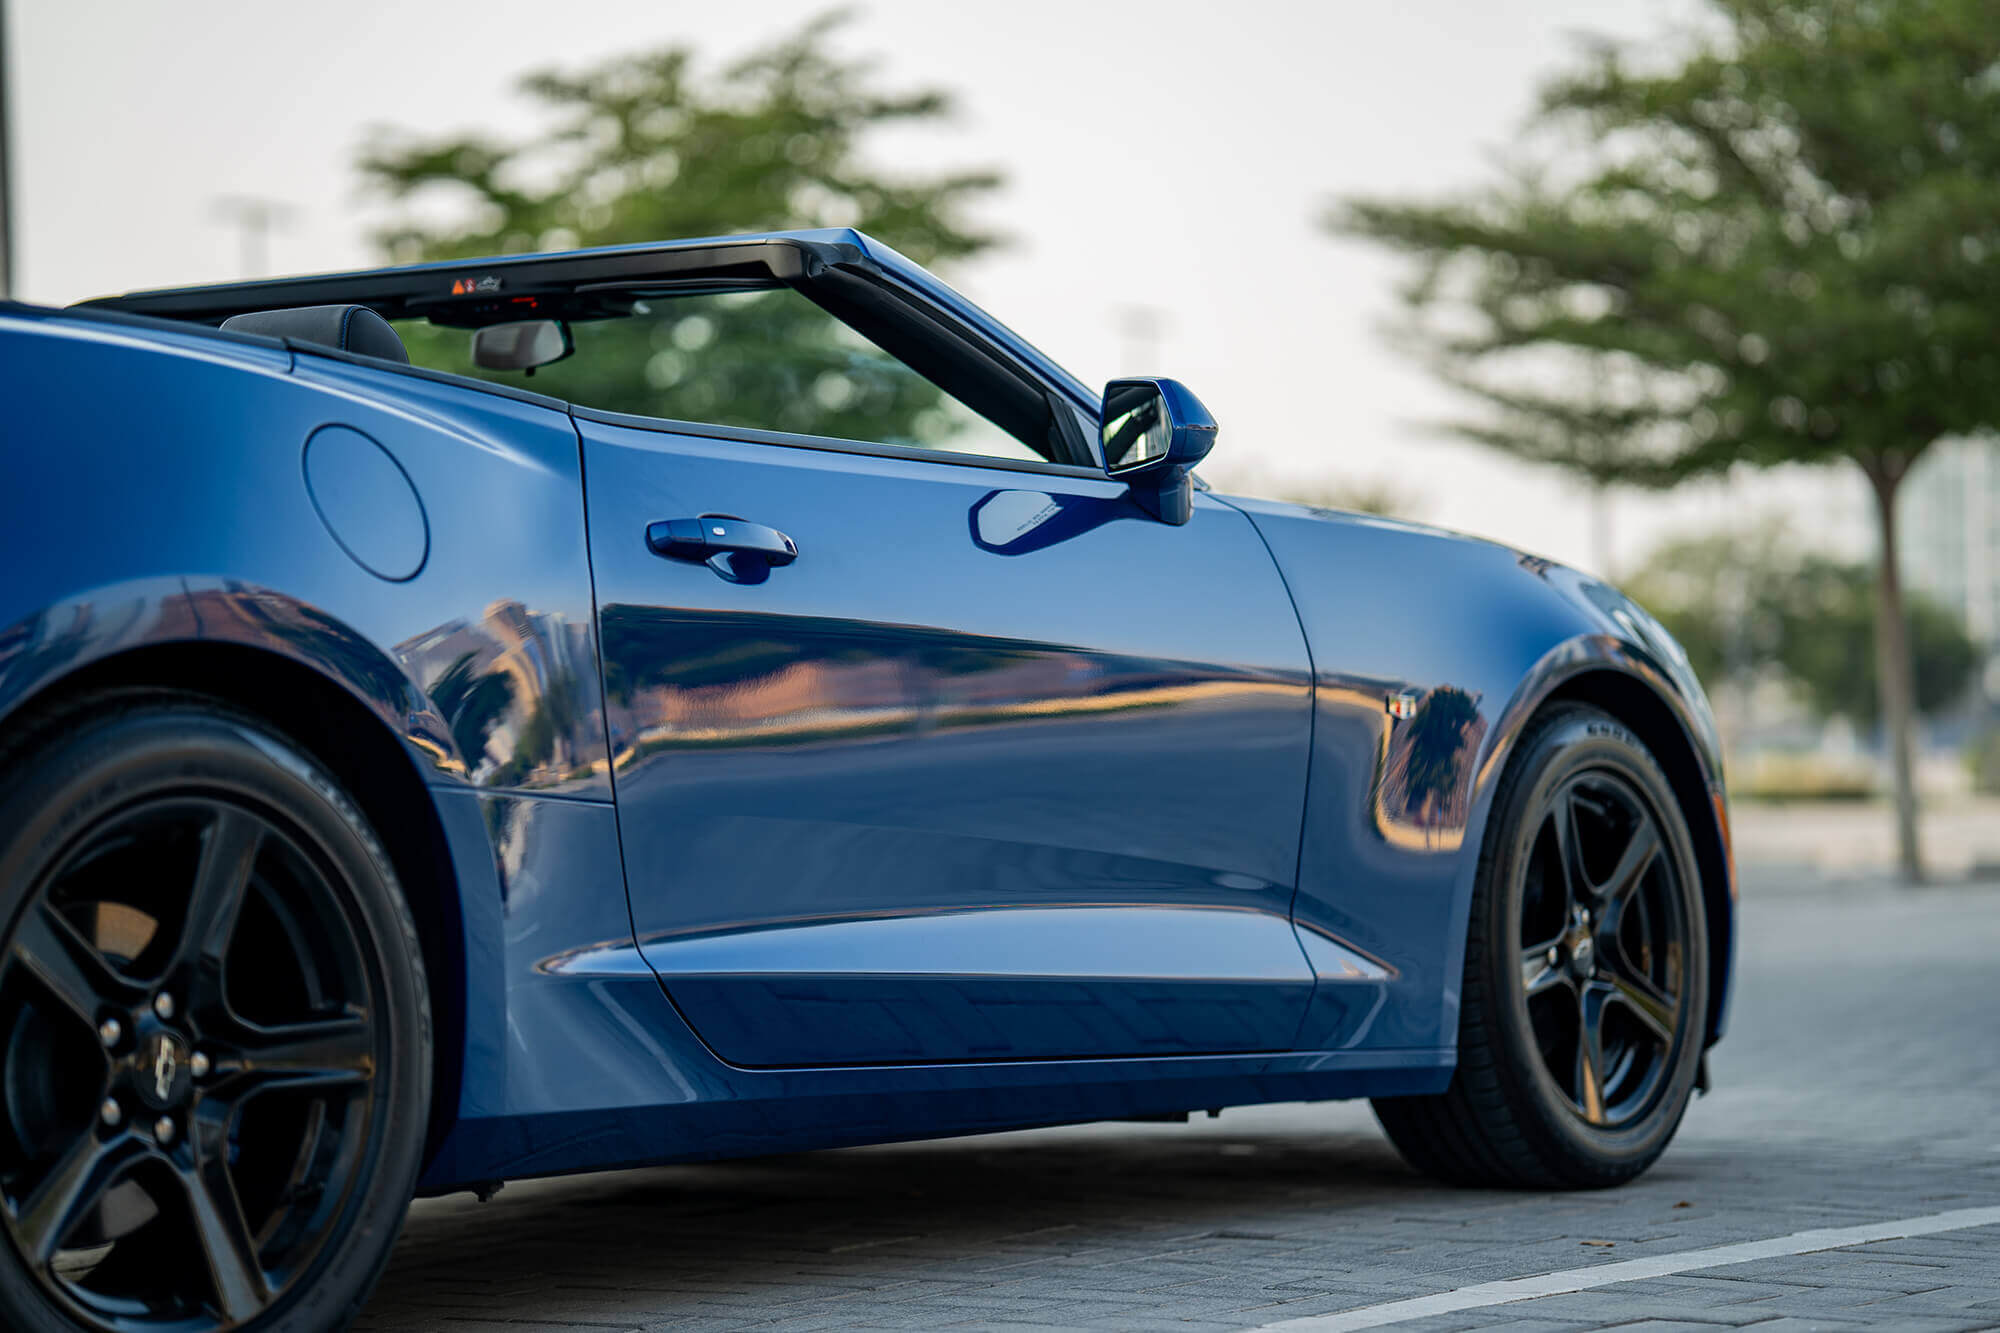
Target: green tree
{"points": [[1823, 615], [1714, 592], [1779, 242], [650, 147], [1745, 604]]}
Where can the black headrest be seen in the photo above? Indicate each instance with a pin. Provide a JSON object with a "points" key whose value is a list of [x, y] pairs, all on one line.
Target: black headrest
{"points": [[351, 328]]}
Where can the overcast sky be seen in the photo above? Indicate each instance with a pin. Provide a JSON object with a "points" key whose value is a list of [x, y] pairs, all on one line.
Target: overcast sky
{"points": [[132, 120]]}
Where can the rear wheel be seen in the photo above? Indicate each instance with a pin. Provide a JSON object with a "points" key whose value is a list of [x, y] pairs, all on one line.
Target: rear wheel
{"points": [[217, 1033], [1586, 974]]}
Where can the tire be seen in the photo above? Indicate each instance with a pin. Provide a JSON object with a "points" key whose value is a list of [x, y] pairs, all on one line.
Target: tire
{"points": [[1587, 923], [217, 1070]]}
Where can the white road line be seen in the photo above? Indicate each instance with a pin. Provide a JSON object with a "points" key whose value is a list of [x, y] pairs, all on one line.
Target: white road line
{"points": [[1635, 1270]]}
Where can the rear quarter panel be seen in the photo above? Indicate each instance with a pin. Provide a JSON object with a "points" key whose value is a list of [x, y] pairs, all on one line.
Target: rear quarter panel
{"points": [[154, 495], [155, 492]]}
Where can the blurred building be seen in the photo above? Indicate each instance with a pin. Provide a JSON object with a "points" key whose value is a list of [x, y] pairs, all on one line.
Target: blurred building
{"points": [[1950, 518]]}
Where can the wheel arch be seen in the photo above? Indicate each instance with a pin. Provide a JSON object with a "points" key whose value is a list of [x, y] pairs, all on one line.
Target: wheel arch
{"points": [[1621, 686], [333, 725]]}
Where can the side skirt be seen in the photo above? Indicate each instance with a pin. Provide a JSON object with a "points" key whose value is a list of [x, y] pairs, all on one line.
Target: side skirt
{"points": [[765, 1112]]}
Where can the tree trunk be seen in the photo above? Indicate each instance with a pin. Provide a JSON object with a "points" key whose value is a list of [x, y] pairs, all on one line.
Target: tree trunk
{"points": [[1895, 679]]}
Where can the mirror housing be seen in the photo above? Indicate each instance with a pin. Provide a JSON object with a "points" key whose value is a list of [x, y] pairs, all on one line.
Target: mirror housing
{"points": [[523, 345], [1153, 432]]}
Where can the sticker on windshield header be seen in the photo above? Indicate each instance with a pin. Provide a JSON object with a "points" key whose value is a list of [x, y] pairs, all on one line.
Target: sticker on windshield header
{"points": [[475, 286]]}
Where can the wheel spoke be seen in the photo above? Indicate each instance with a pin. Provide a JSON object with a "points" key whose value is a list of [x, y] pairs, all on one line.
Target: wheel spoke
{"points": [[1640, 852], [325, 1053], [1590, 1054], [1538, 975], [1654, 1008], [1569, 851], [66, 964], [241, 1287], [67, 1191], [228, 854]]}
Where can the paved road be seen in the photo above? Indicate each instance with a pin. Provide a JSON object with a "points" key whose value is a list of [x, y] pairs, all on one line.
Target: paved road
{"points": [[1860, 1084]]}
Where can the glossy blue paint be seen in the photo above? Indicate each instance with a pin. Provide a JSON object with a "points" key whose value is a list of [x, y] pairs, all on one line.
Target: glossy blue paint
{"points": [[758, 1113], [177, 511], [1483, 635], [367, 502], [551, 967], [1022, 808], [993, 984], [907, 721]]}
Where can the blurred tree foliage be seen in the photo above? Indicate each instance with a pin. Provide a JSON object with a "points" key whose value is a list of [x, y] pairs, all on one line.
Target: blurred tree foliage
{"points": [[1824, 615], [1712, 592], [1982, 757], [650, 147], [1776, 240], [1747, 604]]}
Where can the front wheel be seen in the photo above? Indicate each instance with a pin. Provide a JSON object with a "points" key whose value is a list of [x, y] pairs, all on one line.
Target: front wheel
{"points": [[1581, 1020], [217, 1061]]}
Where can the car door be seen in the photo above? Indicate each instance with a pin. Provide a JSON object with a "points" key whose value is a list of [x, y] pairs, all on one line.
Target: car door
{"points": [[980, 761]]}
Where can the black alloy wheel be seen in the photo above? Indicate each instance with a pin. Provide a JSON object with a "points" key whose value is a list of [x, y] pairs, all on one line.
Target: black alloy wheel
{"points": [[217, 1033], [1605, 948], [1583, 1011]]}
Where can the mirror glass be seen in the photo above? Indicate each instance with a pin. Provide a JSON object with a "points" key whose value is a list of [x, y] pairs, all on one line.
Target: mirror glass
{"points": [[521, 346], [1137, 428]]}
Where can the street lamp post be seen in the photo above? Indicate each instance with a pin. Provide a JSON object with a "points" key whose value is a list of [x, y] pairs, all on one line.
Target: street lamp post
{"points": [[255, 218], [1141, 327]]}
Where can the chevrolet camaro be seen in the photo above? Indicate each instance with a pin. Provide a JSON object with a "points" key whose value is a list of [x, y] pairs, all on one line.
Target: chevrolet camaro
{"points": [[486, 719]]}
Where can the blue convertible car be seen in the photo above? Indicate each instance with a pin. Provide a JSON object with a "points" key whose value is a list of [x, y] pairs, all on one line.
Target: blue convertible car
{"points": [[542, 714]]}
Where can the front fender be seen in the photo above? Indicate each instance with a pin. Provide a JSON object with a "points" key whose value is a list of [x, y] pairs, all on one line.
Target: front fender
{"points": [[1430, 653], [1585, 655]]}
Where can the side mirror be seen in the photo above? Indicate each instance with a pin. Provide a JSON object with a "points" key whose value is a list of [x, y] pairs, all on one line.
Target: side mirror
{"points": [[1153, 433], [521, 346]]}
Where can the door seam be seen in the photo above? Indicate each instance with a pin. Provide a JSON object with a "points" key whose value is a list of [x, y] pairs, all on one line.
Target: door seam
{"points": [[1312, 736]]}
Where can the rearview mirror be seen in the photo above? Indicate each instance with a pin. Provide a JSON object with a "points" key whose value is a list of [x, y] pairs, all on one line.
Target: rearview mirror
{"points": [[521, 346], [1153, 433]]}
